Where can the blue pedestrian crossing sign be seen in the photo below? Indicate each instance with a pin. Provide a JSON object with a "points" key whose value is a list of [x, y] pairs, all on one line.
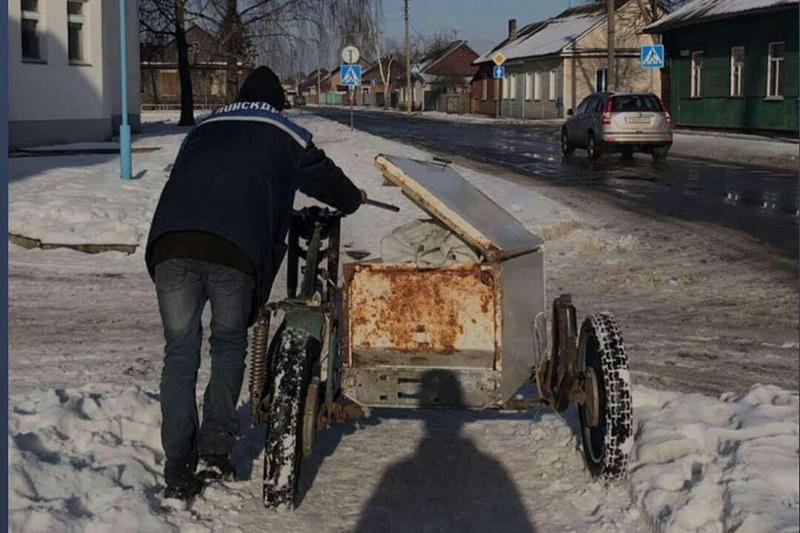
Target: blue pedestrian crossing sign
{"points": [[652, 56], [499, 73], [351, 75]]}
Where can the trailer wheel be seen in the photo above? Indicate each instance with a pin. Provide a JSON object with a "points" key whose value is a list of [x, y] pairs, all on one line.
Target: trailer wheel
{"points": [[606, 416], [283, 452]]}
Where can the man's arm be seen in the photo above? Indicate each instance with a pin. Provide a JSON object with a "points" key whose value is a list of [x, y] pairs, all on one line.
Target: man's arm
{"points": [[320, 178]]}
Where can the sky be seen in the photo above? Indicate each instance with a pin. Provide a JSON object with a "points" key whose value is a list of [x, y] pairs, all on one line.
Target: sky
{"points": [[482, 23]]}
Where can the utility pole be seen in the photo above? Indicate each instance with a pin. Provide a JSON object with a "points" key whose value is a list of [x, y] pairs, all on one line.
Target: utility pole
{"points": [[611, 76], [409, 94]]}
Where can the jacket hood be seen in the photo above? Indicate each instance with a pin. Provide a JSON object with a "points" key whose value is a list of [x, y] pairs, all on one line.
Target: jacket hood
{"points": [[263, 85]]}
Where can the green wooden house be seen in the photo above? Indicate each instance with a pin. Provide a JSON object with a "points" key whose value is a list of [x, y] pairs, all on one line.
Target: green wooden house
{"points": [[732, 64]]}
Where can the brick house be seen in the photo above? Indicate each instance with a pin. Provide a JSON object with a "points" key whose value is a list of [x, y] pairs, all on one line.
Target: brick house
{"points": [[160, 81], [447, 71], [308, 86]]}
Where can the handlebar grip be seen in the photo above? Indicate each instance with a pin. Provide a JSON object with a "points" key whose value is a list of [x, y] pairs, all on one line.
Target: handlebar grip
{"points": [[382, 205]]}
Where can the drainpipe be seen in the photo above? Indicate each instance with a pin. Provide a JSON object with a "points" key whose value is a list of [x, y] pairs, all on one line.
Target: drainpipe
{"points": [[124, 127]]}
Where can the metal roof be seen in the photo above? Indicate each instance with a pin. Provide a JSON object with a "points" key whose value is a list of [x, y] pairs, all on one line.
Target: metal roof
{"points": [[705, 10]]}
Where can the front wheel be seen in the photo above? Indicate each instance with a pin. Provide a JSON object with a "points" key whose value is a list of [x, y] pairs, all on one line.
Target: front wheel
{"points": [[606, 415], [284, 450]]}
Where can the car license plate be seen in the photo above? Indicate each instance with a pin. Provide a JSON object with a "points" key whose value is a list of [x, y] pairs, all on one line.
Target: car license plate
{"points": [[637, 120]]}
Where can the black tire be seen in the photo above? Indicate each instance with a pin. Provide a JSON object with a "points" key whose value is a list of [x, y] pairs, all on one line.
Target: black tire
{"points": [[607, 445], [593, 148], [627, 153], [567, 148], [659, 153], [283, 452]]}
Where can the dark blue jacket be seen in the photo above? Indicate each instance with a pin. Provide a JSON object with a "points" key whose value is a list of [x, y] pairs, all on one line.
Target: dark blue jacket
{"points": [[236, 175]]}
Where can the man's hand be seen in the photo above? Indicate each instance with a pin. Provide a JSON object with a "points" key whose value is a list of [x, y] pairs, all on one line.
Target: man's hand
{"points": [[363, 196]]}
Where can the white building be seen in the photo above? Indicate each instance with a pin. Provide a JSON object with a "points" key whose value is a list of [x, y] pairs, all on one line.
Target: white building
{"points": [[64, 72]]}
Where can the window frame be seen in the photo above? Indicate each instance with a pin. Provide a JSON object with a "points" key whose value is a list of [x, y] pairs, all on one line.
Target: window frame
{"points": [[39, 33], [512, 86], [597, 88], [504, 88], [737, 91], [537, 86], [696, 82], [553, 85], [484, 89], [779, 62], [81, 20]]}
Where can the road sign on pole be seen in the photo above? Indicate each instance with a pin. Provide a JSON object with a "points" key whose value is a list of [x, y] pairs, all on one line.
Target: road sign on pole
{"points": [[498, 72], [351, 75], [652, 56], [350, 54], [498, 58]]}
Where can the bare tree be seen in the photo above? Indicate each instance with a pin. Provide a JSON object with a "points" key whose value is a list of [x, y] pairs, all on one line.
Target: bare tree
{"points": [[162, 21]]}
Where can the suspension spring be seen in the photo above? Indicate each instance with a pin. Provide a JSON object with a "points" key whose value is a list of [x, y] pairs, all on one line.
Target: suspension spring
{"points": [[258, 364]]}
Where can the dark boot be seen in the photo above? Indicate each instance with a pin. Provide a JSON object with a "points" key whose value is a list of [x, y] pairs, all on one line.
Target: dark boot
{"points": [[184, 490], [215, 467]]}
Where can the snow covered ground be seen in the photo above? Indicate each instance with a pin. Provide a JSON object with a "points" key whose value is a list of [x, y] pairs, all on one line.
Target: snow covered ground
{"points": [[84, 419]]}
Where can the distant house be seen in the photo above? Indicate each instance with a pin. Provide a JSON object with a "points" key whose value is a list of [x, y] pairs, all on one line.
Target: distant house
{"points": [[553, 64], [64, 71], [447, 70], [333, 92], [208, 64], [308, 85], [732, 64], [378, 92]]}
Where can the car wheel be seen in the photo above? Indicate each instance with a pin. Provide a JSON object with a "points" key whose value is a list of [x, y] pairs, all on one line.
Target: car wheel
{"points": [[627, 153], [593, 150], [660, 153], [567, 148]]}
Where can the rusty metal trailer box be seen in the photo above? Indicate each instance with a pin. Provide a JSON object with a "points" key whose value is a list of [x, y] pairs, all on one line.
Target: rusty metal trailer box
{"points": [[453, 336]]}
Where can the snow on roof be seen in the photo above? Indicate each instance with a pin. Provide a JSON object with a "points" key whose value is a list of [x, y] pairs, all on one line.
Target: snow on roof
{"points": [[550, 37], [701, 10]]}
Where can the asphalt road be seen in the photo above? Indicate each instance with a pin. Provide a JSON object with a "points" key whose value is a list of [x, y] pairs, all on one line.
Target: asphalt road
{"points": [[758, 201]]}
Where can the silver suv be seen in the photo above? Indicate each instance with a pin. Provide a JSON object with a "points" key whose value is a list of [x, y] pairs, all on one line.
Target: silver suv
{"points": [[618, 122]]}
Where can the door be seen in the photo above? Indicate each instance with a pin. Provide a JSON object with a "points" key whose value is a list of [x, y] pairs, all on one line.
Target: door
{"points": [[578, 132]]}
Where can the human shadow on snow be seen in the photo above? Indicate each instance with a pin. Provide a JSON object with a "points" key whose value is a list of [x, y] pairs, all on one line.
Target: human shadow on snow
{"points": [[448, 484]]}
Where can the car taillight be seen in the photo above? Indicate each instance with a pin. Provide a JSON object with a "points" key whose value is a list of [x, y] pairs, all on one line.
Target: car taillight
{"points": [[608, 110], [668, 119]]}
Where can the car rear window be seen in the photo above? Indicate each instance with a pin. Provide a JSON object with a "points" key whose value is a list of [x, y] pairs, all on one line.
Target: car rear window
{"points": [[636, 102]]}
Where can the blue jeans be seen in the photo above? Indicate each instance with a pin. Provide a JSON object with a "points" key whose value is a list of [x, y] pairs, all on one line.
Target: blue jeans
{"points": [[184, 286]]}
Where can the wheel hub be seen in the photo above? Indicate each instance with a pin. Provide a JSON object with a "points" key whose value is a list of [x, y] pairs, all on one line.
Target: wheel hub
{"points": [[591, 402]]}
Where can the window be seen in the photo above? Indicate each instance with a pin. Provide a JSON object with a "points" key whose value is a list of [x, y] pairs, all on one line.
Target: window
{"points": [[484, 88], [775, 70], [537, 86], [31, 40], [583, 105], [600, 77], [512, 87], [529, 86], [631, 103], [75, 21], [552, 91], [737, 70], [697, 75], [504, 83]]}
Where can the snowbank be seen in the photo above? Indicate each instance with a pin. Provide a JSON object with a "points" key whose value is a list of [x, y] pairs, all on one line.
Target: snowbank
{"points": [[81, 199], [90, 460], [727, 464]]}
